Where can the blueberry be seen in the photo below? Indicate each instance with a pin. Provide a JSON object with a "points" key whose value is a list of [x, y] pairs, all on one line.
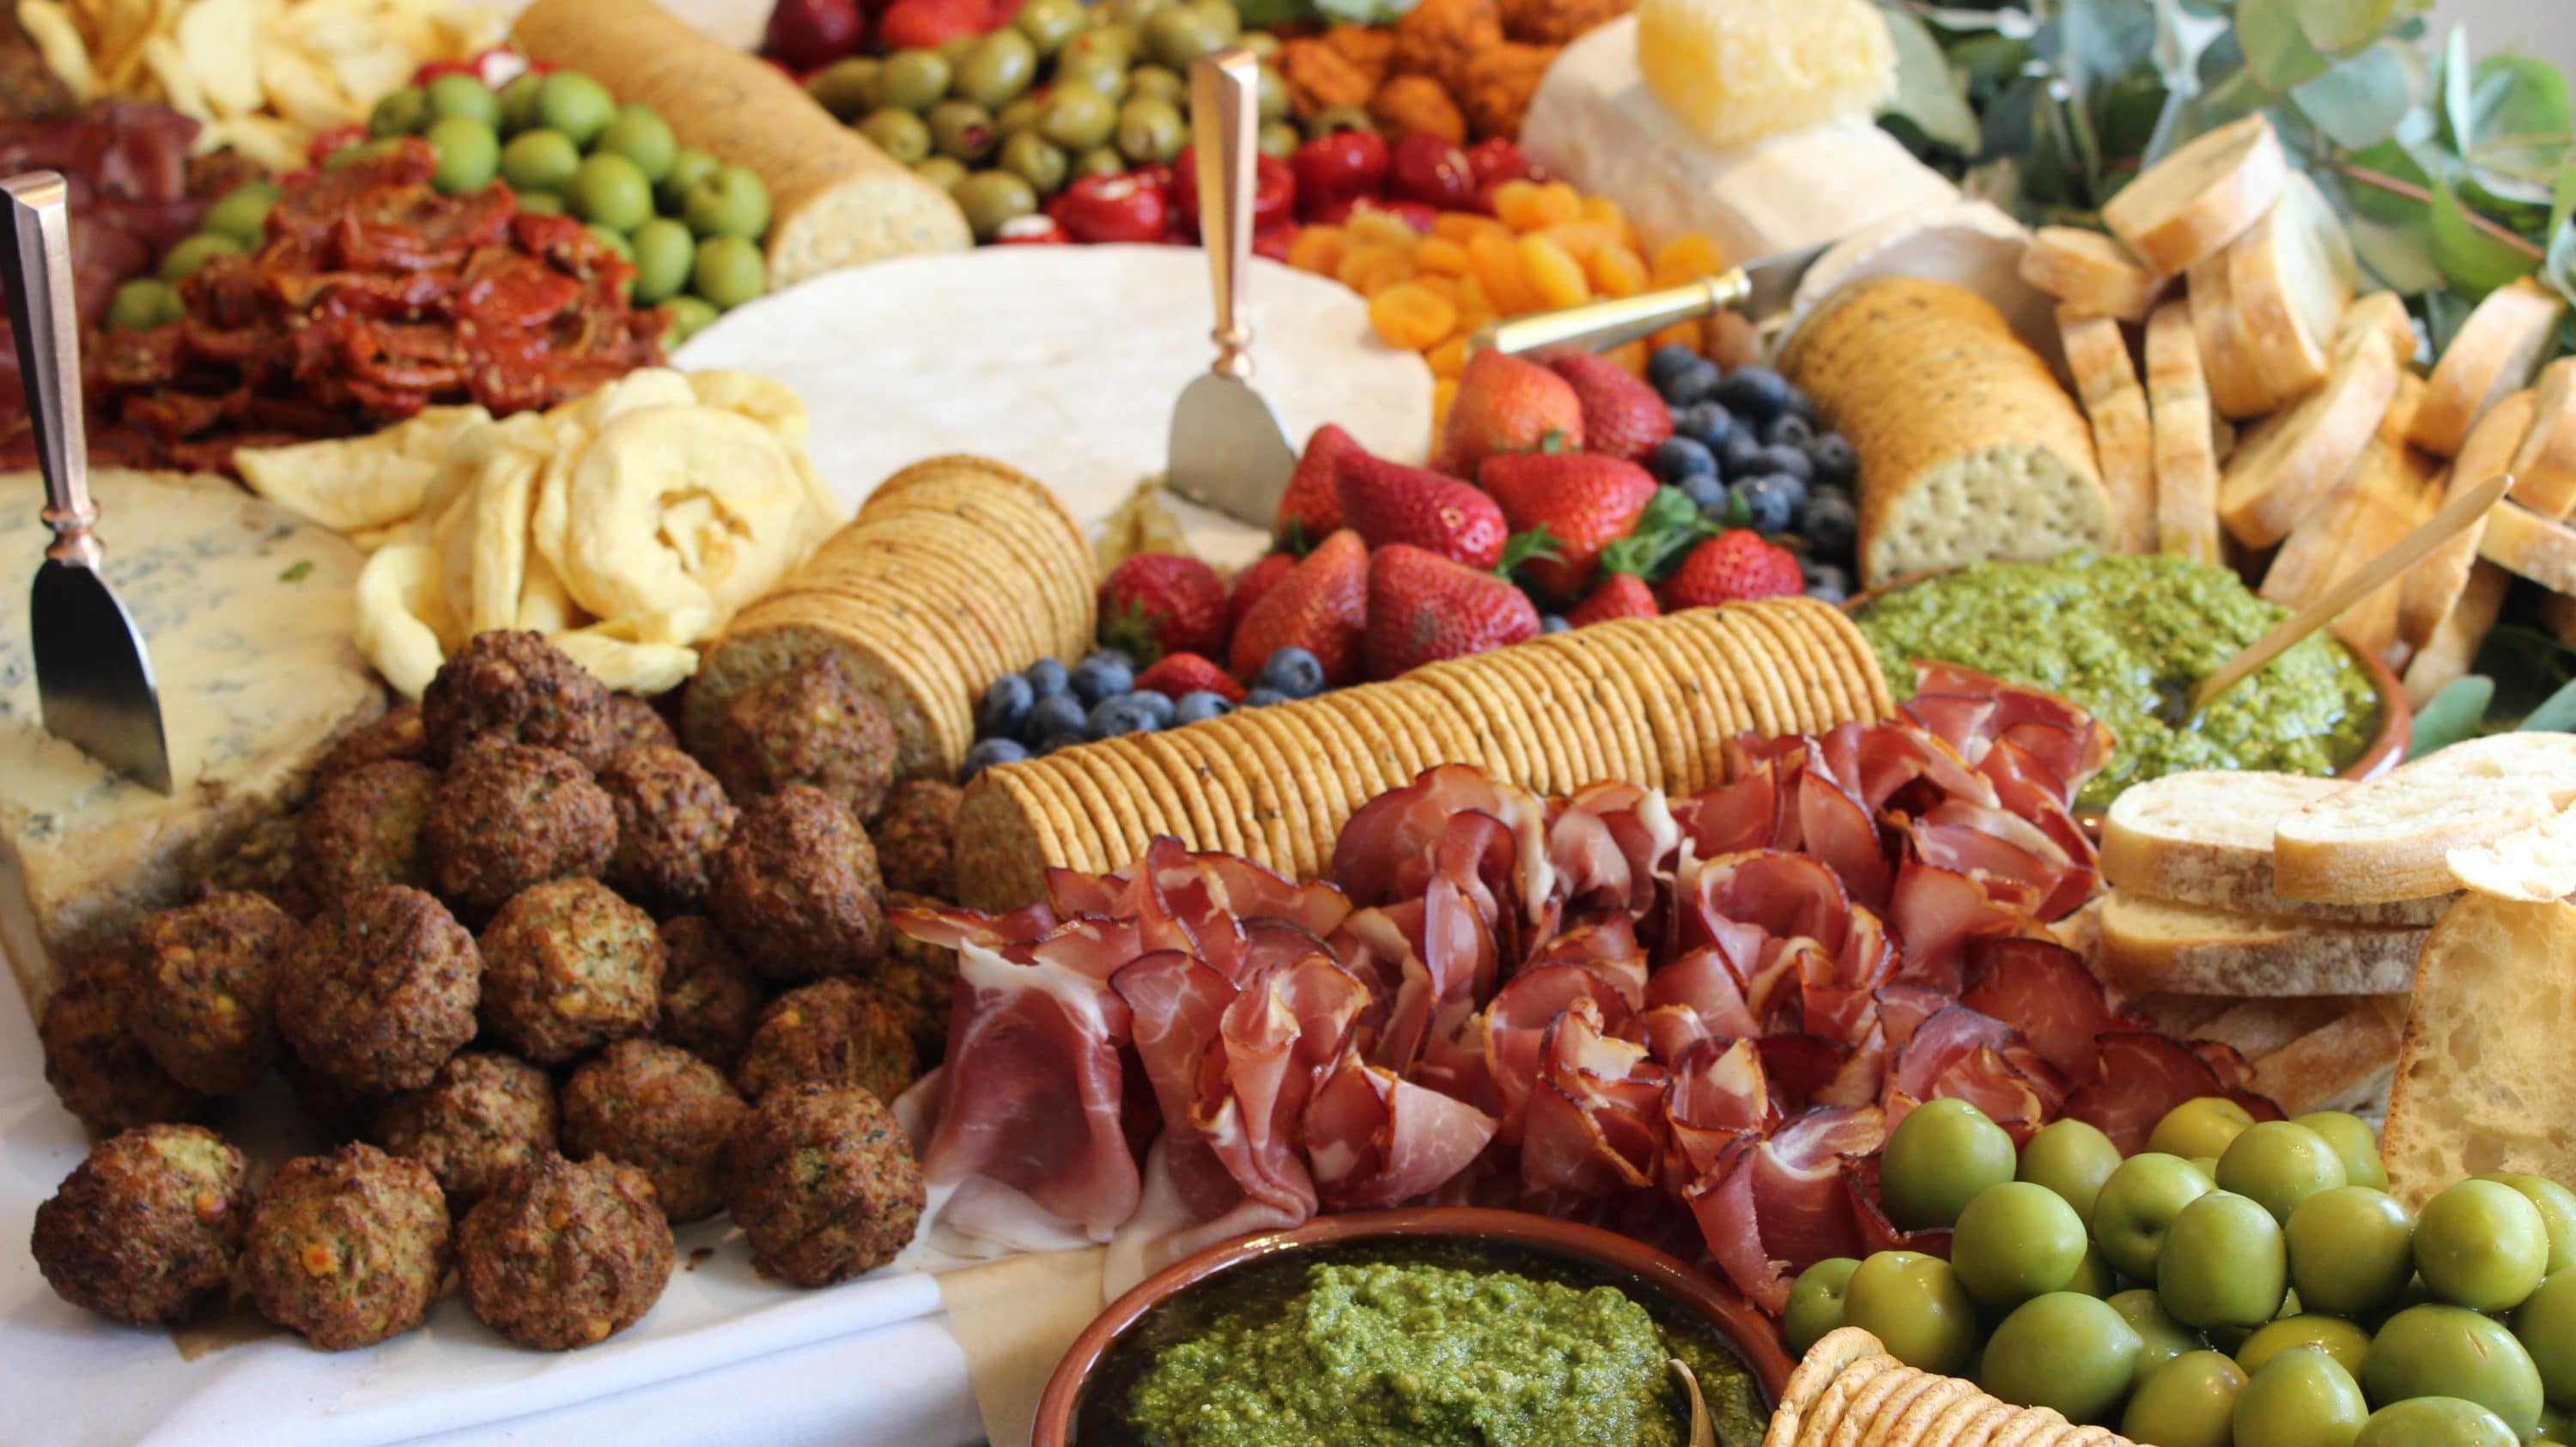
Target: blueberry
{"points": [[989, 752], [1781, 457], [1768, 503], [1059, 741], [1157, 707], [1047, 677], [1705, 491], [1292, 671], [1667, 360], [1263, 698], [1707, 424], [1800, 404], [1554, 623], [1825, 582], [1103, 676], [1201, 706], [1676, 459], [1112, 718], [1831, 522], [1691, 383], [1005, 708], [1834, 458], [1741, 456], [1057, 713], [1754, 392], [1789, 430]]}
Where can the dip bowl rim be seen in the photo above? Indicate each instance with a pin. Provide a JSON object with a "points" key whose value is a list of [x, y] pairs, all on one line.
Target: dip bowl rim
{"points": [[1736, 1321]]}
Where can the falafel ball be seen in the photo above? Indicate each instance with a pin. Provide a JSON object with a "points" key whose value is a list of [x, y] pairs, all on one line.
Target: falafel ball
{"points": [[96, 1066], [919, 976], [672, 819], [148, 1226], [832, 1032], [634, 722], [811, 725], [824, 1184], [483, 1116], [512, 815], [796, 887], [364, 827], [347, 1248], [519, 686], [661, 1110], [379, 989], [710, 998], [394, 734], [205, 989], [567, 965], [565, 1255], [915, 836]]}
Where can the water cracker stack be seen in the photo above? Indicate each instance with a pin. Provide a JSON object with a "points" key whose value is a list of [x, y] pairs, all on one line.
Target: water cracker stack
{"points": [[1848, 1390], [1650, 702]]}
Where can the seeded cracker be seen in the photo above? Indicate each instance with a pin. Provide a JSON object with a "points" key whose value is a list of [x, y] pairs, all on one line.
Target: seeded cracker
{"points": [[1505, 743], [1911, 1424], [1991, 1417], [1363, 738], [1824, 1361], [2027, 1428], [1762, 690], [1229, 812], [1819, 679], [1665, 712], [1257, 803], [1550, 732], [1276, 787], [1874, 1413], [1798, 713], [1186, 809], [1818, 1429], [931, 548], [1399, 746], [1615, 701], [997, 553], [1441, 724], [1717, 668], [923, 623], [1834, 628], [1141, 810], [1703, 706], [1105, 804], [1313, 778], [1053, 782], [1004, 842]]}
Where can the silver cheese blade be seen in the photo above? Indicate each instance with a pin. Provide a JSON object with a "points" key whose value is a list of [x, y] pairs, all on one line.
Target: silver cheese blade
{"points": [[1229, 451]]}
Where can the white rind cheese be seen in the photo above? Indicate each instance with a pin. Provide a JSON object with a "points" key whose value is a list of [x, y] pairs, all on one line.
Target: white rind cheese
{"points": [[245, 608]]}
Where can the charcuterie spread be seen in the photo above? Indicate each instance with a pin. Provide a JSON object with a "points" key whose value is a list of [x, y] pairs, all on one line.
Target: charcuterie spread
{"points": [[1696, 865]]}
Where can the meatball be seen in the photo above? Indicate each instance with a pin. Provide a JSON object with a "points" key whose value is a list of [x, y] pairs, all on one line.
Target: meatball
{"points": [[824, 1184], [148, 1226], [397, 734], [511, 815], [205, 990], [347, 1248], [796, 887], [672, 818], [921, 977], [483, 1116], [364, 827], [524, 689], [914, 837], [567, 965], [811, 725], [634, 722], [96, 1066], [380, 989], [834, 1032], [661, 1110], [710, 998], [565, 1255]]}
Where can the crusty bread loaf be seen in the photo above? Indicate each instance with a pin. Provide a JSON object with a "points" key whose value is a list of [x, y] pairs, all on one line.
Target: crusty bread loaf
{"points": [[2545, 467], [835, 199], [2522, 541], [2092, 273], [2236, 386], [2290, 277], [2535, 864], [2155, 945], [2446, 656], [1969, 447], [2189, 205], [2432, 587], [2204, 837], [2492, 356], [2287, 466], [2482, 1080], [2389, 838], [2186, 441], [2123, 440]]}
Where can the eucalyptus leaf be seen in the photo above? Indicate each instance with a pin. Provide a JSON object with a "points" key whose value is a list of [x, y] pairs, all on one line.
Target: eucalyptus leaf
{"points": [[2458, 110], [2276, 49], [2559, 269], [2474, 261], [2556, 715], [2359, 102], [2400, 256], [2340, 27], [2518, 95], [2454, 714], [2527, 666], [1928, 93], [2397, 163], [2562, 197]]}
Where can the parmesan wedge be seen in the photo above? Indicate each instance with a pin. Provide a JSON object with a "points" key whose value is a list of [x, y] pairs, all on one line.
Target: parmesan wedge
{"points": [[2092, 273], [2493, 355], [2288, 465], [2186, 447], [2445, 657], [2482, 1082], [2389, 838], [2235, 384], [2291, 277], [2188, 206], [2107, 382], [2546, 463], [2432, 587], [2522, 541]]}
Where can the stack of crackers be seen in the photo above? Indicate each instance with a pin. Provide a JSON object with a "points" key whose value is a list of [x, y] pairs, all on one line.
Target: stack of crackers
{"points": [[1647, 701], [1850, 1392], [956, 571]]}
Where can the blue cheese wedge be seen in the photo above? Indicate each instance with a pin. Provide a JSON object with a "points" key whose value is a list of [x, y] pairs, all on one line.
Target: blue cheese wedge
{"points": [[245, 609]]}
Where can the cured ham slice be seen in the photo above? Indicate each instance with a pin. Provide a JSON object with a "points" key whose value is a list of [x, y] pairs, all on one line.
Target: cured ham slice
{"points": [[1772, 1208], [2056, 1003], [2143, 1076], [1375, 1140]]}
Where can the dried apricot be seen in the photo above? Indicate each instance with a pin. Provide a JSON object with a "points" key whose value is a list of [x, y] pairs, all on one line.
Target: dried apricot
{"points": [[1553, 272], [1474, 307], [1440, 256], [1687, 257], [1498, 269], [1603, 209], [1369, 270], [1616, 271], [1317, 249], [1516, 203], [1464, 226], [1411, 315], [1631, 357], [1368, 226], [1449, 358]]}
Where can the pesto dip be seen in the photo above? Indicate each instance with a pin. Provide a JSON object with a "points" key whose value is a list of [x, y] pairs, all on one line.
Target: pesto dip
{"points": [[2127, 636], [1406, 1353]]}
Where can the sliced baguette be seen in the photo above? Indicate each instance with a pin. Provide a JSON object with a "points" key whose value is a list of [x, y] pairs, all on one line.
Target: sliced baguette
{"points": [[2317, 1053], [2522, 541], [2492, 356], [2383, 497], [2389, 838], [2287, 466], [2235, 384], [2204, 838], [2291, 277], [2092, 273], [2546, 464], [2189, 205], [2155, 945], [2446, 656], [2106, 381], [2186, 442], [2432, 587], [2482, 1081], [2537, 864]]}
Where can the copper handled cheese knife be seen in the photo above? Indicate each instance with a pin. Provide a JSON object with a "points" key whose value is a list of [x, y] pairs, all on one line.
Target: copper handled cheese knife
{"points": [[1762, 290], [93, 674]]}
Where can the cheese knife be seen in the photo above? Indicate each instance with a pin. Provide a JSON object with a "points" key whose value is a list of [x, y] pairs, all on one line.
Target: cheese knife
{"points": [[1762, 290], [93, 675], [1228, 450]]}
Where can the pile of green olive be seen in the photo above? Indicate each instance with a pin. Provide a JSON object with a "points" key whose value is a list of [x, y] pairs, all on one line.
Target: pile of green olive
{"points": [[2236, 1284], [690, 224], [1004, 120]]}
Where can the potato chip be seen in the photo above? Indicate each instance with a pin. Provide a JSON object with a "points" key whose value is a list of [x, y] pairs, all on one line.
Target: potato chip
{"points": [[220, 39], [272, 143], [673, 507], [303, 91], [402, 617], [765, 400], [544, 606], [357, 483], [58, 39], [625, 667]]}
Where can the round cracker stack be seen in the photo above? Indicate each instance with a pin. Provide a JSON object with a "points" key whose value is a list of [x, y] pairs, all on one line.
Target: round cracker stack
{"points": [[956, 571], [1647, 701], [1848, 1392]]}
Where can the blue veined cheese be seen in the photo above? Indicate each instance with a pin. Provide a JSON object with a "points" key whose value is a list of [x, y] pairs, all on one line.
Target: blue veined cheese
{"points": [[245, 608]]}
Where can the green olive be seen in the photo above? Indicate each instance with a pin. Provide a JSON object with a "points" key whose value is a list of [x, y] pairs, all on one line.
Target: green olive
{"points": [[1816, 1302], [2224, 1263], [1075, 116], [943, 172], [2189, 1401], [1020, 115], [610, 190], [990, 198], [664, 253], [2351, 1250], [2555, 1426], [1099, 161], [1220, 16], [1916, 1307], [2202, 1126], [1151, 132], [913, 80], [1263, 45], [689, 316], [1178, 34], [2137, 1205], [641, 135], [2352, 1139], [2093, 1275], [190, 256], [2348, 1344], [2016, 1241], [519, 103], [469, 156], [998, 70], [243, 213], [399, 113], [540, 162], [2435, 1422], [615, 241], [1160, 82], [1104, 78], [1938, 1159], [1279, 140], [689, 166], [728, 271], [2301, 1398], [143, 304], [1110, 47], [2071, 1158], [576, 105], [962, 129], [2062, 1350], [541, 203], [2279, 1165], [463, 95], [1273, 101], [1333, 120], [2450, 1351], [1029, 157], [2545, 1324], [2161, 1338], [956, 48], [900, 134], [847, 87], [1050, 23], [2481, 1244], [728, 201], [2557, 1206], [1132, 13]]}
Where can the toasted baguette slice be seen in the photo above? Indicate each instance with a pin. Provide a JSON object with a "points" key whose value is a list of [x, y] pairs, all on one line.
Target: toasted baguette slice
{"points": [[2205, 838], [2287, 466], [2091, 273], [2106, 380], [2546, 464], [2482, 1080], [2446, 656], [2182, 949], [2522, 541], [2235, 384], [2432, 588], [2313, 1054], [2371, 509], [2291, 276], [2493, 356], [2186, 442], [2537, 864], [2188, 206], [2388, 838]]}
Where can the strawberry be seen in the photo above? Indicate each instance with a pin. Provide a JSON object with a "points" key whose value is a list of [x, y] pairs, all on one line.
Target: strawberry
{"points": [[1506, 404], [1309, 511], [1391, 503], [1731, 567], [1158, 603], [1423, 607], [1252, 582], [1320, 606], [1583, 501], [1621, 595], [1184, 673], [1623, 417]]}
